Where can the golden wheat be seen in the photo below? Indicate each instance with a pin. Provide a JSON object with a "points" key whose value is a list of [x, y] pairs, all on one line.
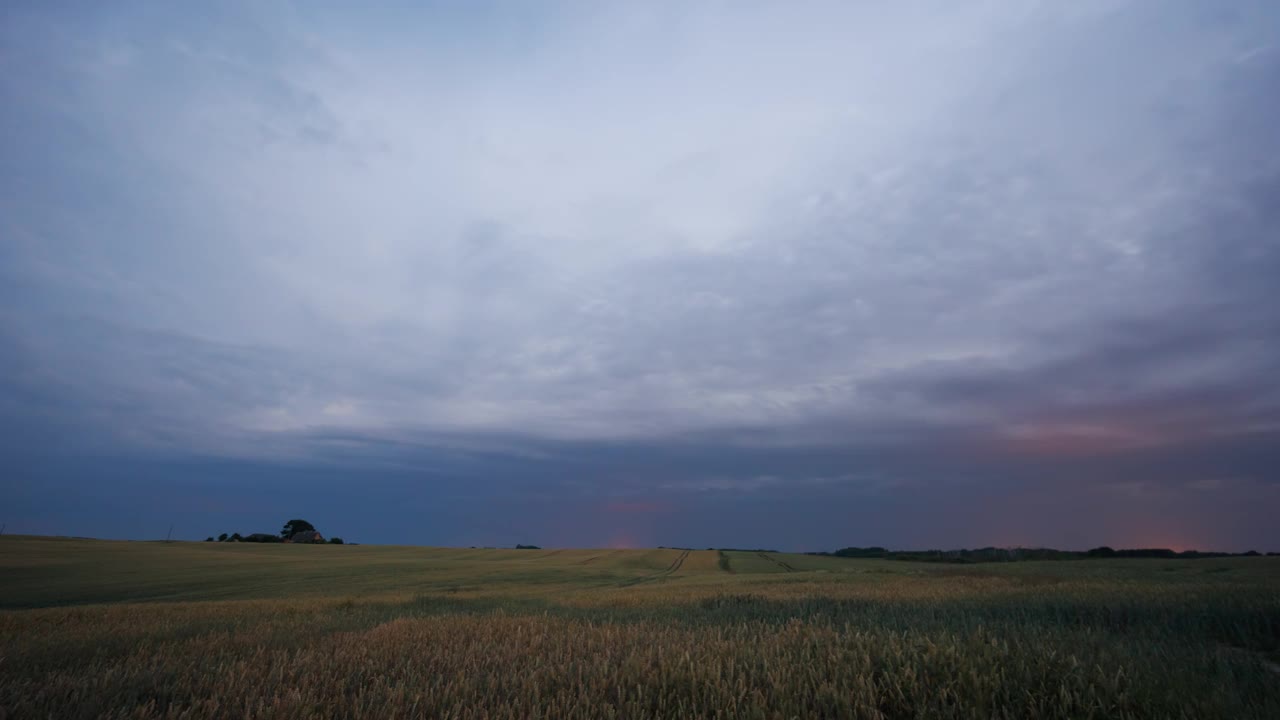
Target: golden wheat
{"points": [[1120, 639]]}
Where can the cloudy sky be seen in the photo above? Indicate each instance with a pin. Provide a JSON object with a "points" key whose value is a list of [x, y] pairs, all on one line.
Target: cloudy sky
{"points": [[592, 274]]}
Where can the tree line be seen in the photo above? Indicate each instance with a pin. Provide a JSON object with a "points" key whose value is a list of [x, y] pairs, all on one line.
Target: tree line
{"points": [[994, 554], [295, 531]]}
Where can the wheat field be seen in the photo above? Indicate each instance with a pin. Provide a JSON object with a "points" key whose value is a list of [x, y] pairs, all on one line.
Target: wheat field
{"points": [[97, 629]]}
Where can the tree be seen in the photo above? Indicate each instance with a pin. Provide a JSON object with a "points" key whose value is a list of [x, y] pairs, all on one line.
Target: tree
{"points": [[235, 537], [209, 539], [222, 537], [295, 526], [335, 541]]}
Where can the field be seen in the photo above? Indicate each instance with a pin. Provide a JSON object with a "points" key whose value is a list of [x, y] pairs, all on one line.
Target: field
{"points": [[94, 629]]}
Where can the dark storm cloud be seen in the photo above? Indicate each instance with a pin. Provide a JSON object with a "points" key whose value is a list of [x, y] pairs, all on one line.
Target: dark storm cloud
{"points": [[927, 274]]}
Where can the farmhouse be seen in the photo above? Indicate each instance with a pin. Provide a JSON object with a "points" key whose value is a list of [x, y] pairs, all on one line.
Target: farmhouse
{"points": [[306, 536]]}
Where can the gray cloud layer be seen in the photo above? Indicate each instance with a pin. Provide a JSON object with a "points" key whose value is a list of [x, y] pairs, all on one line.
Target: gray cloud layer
{"points": [[1019, 254]]}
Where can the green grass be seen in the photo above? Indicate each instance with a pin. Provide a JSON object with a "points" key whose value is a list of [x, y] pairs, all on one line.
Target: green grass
{"points": [[155, 630]]}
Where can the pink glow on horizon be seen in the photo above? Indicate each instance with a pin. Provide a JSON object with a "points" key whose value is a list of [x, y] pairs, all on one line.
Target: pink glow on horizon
{"points": [[1151, 536], [1079, 439], [622, 540], [630, 522]]}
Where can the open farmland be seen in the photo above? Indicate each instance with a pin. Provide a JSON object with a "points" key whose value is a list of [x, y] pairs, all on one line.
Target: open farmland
{"points": [[187, 630]]}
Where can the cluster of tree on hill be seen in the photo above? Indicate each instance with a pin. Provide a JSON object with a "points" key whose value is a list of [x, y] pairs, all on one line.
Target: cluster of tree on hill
{"points": [[994, 554], [294, 531]]}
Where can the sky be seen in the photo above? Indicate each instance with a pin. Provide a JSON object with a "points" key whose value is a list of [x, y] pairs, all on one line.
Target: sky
{"points": [[749, 274]]}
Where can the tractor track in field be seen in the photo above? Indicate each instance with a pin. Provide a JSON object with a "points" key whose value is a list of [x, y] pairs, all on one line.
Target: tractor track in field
{"points": [[671, 570], [678, 562], [597, 557], [780, 563]]}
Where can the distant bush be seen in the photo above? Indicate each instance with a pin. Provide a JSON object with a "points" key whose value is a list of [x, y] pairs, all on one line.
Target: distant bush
{"points": [[263, 538], [527, 547], [335, 541]]}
